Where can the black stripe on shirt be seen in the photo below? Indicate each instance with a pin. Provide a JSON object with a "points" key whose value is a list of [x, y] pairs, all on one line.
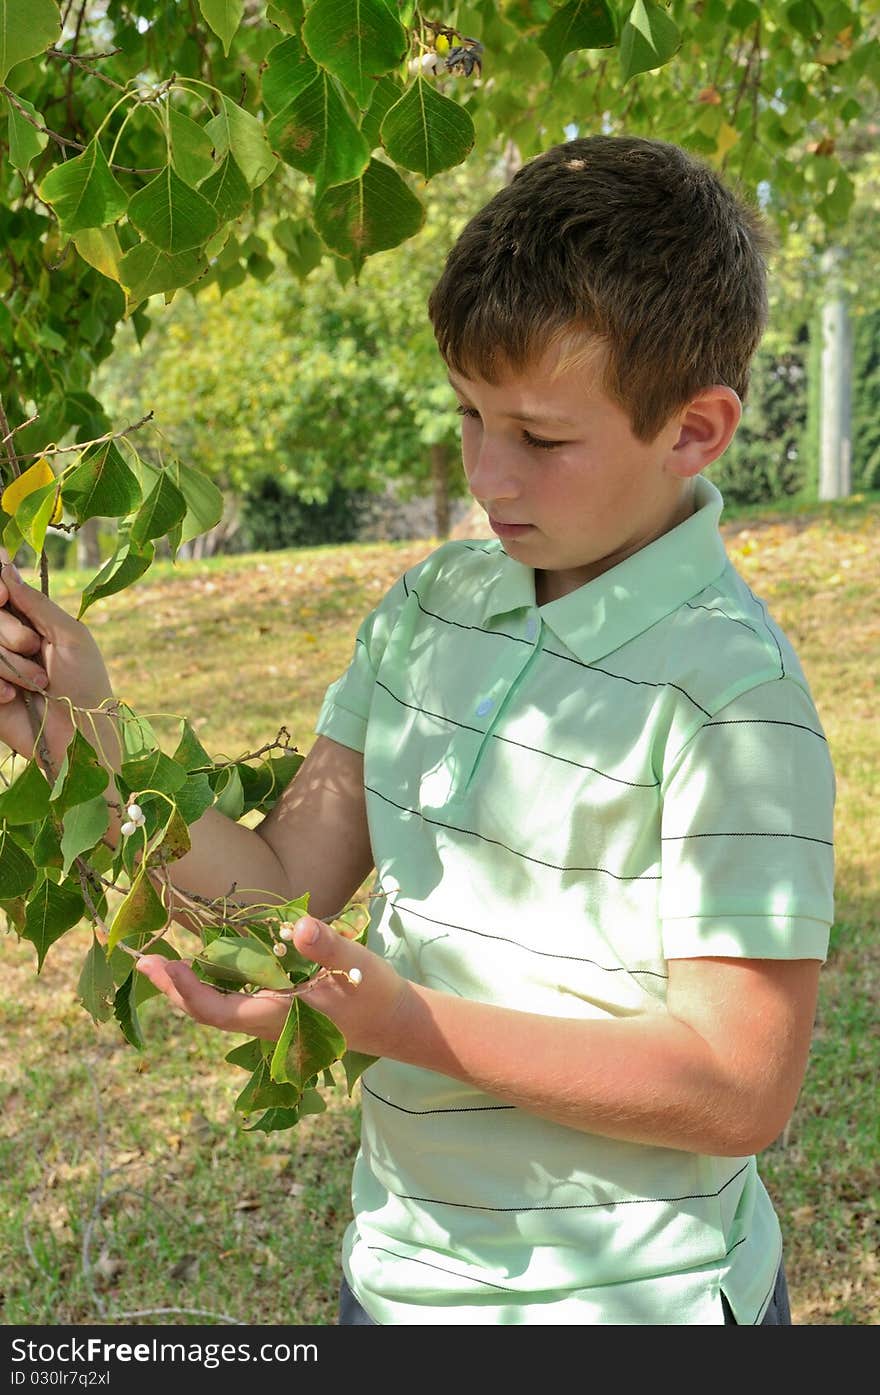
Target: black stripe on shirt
{"points": [[554, 653], [496, 842], [804, 837], [578, 1206], [529, 949], [522, 745], [454, 1109], [767, 721]]}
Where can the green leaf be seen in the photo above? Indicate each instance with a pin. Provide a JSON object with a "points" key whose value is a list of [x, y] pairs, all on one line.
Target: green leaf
{"points": [[163, 507], [309, 1042], [426, 131], [123, 568], [190, 752], [289, 70], [743, 14], [125, 1011], [227, 190], [355, 1063], [25, 141], [84, 825], [96, 988], [314, 133], [356, 40], [224, 17], [249, 1055], [146, 271], [175, 841], [140, 913], [194, 797], [34, 513], [263, 784], [236, 130], [241, 959], [101, 485], [300, 243], [274, 1120], [387, 91], [80, 777], [805, 17], [27, 27], [47, 845], [101, 248], [171, 215], [834, 209], [648, 39], [262, 1092], [192, 150], [287, 14], [27, 799], [229, 794], [51, 911], [17, 872], [154, 771], [204, 501], [83, 191], [368, 215], [580, 24]]}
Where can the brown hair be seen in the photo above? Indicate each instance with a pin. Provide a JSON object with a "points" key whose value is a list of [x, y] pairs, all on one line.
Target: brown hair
{"points": [[629, 240]]}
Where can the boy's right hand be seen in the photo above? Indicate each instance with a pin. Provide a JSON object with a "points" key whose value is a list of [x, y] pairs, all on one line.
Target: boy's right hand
{"points": [[46, 651]]}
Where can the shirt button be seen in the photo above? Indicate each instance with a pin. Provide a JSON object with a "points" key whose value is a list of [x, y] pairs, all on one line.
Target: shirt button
{"points": [[485, 706]]}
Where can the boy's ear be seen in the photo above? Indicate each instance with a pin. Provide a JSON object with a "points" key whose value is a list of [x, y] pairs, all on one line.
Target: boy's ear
{"points": [[706, 428]]}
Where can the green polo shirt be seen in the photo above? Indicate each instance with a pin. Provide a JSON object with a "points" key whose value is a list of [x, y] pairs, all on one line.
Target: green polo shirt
{"points": [[561, 798]]}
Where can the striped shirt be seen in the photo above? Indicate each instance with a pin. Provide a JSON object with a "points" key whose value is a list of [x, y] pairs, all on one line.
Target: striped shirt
{"points": [[561, 798]]}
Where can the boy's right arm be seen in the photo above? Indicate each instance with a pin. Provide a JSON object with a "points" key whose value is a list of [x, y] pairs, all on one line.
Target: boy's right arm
{"points": [[316, 838]]}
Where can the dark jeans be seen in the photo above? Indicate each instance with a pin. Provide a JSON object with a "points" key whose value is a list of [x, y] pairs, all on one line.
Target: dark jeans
{"points": [[778, 1314]]}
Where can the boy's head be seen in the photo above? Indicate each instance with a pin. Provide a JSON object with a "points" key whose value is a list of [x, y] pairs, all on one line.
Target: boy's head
{"points": [[629, 242]]}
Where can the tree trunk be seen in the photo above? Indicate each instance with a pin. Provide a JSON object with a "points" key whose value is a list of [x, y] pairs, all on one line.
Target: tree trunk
{"points": [[88, 554], [835, 386], [440, 454]]}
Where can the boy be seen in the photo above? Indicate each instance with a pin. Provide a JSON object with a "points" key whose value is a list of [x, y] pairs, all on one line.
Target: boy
{"points": [[588, 771]]}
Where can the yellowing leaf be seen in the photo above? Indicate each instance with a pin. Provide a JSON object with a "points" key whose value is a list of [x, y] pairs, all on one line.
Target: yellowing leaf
{"points": [[727, 138], [36, 477]]}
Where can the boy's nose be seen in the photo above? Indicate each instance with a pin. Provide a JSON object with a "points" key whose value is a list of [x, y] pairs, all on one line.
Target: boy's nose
{"points": [[489, 475]]}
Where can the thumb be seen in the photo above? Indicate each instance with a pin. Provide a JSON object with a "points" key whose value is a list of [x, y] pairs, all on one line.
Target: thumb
{"points": [[28, 603], [316, 941]]}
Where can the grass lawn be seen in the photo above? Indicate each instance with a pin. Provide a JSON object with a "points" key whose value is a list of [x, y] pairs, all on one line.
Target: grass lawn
{"points": [[128, 1191]]}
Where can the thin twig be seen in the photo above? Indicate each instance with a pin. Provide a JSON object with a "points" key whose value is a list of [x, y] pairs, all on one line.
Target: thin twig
{"points": [[85, 445], [65, 140]]}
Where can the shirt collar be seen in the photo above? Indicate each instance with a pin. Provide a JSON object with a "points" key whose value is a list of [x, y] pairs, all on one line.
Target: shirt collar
{"points": [[605, 613]]}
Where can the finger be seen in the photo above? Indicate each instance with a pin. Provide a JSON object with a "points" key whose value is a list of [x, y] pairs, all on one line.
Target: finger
{"points": [[24, 673], [38, 610], [183, 987], [14, 634], [325, 946]]}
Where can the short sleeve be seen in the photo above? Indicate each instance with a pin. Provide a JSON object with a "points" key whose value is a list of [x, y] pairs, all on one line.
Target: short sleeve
{"points": [[345, 709], [747, 860]]}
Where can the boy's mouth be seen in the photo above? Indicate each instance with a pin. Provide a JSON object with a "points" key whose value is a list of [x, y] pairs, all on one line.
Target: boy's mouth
{"points": [[508, 530]]}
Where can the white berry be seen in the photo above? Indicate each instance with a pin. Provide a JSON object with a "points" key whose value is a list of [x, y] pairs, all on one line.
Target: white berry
{"points": [[135, 813], [286, 932], [280, 950], [354, 976], [127, 828]]}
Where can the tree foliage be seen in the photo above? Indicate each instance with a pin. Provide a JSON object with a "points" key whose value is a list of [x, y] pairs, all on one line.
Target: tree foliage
{"points": [[156, 146]]}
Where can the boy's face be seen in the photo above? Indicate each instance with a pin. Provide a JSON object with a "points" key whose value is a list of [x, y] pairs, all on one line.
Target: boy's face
{"points": [[568, 488]]}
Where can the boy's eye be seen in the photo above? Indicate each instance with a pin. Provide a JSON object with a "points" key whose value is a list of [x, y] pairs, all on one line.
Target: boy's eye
{"points": [[538, 444], [535, 442]]}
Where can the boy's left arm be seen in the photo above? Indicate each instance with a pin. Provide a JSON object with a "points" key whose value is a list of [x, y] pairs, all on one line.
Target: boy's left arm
{"points": [[718, 1072]]}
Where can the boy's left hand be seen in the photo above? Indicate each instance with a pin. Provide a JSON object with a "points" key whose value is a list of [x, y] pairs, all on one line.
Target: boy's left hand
{"points": [[367, 1014]]}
